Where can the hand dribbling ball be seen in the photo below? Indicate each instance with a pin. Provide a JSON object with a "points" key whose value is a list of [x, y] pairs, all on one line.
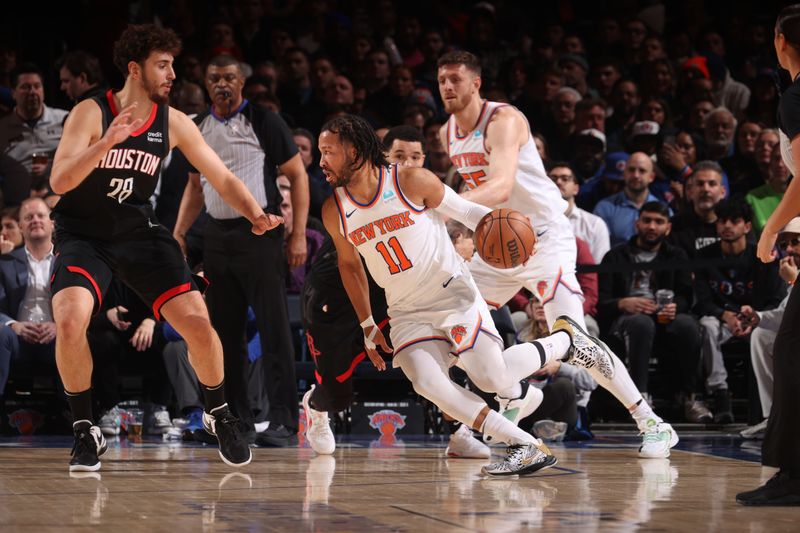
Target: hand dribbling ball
{"points": [[504, 238]]}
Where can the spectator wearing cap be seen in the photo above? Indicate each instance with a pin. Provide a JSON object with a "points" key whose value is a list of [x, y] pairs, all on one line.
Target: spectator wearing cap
{"points": [[621, 210], [608, 182], [576, 70], [586, 226], [589, 148], [726, 91]]}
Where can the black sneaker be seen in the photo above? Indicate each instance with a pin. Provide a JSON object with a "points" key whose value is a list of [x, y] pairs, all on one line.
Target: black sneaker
{"points": [[781, 489], [89, 445], [233, 447], [723, 414], [278, 436]]}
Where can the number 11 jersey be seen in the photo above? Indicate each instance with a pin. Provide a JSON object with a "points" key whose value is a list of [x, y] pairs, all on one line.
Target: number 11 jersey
{"points": [[114, 199], [405, 246]]}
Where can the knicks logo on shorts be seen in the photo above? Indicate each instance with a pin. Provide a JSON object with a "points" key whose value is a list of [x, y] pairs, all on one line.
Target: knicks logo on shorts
{"points": [[458, 333]]}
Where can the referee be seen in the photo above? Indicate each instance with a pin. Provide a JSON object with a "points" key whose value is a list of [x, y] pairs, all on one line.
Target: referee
{"points": [[245, 269], [781, 447]]}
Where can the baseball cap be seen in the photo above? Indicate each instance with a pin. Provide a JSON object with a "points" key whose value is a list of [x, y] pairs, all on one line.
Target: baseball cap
{"points": [[574, 58], [698, 63], [792, 227], [595, 134], [615, 165], [645, 127]]}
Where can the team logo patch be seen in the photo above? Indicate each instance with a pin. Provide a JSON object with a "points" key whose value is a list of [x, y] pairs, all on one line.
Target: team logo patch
{"points": [[458, 333], [477, 134], [541, 288], [387, 422], [388, 195]]}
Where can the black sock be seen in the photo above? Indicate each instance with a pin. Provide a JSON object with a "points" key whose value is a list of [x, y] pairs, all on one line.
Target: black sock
{"points": [[453, 425], [214, 396], [80, 403]]}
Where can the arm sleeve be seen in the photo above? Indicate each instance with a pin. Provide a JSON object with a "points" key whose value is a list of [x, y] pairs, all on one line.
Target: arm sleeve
{"points": [[466, 212]]}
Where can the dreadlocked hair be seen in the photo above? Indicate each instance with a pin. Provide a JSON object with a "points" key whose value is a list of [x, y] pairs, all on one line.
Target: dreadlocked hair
{"points": [[357, 132]]}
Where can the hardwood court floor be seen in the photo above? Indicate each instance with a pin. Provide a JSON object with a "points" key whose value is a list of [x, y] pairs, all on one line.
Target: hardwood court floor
{"points": [[410, 486]]}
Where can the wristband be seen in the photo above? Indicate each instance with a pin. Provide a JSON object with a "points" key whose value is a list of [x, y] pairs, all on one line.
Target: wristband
{"points": [[369, 321]]}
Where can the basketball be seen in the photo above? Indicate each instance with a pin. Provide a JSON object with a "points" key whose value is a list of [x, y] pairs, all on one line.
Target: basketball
{"points": [[504, 238]]}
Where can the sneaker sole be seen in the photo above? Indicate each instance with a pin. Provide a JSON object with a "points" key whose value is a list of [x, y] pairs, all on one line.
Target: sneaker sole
{"points": [[85, 468], [550, 461], [236, 465]]}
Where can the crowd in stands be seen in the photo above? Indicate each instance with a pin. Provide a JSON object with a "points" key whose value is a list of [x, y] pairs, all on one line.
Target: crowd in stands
{"points": [[656, 120]]}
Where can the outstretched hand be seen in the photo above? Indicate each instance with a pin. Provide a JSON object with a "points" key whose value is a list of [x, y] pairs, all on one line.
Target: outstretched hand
{"points": [[266, 222], [122, 126]]}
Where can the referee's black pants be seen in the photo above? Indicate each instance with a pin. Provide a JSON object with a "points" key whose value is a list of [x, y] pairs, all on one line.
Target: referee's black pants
{"points": [[250, 270], [781, 446]]}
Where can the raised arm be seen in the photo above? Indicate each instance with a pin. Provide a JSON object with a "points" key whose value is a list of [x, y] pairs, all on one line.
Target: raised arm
{"points": [[506, 132], [185, 135], [354, 279], [83, 143]]}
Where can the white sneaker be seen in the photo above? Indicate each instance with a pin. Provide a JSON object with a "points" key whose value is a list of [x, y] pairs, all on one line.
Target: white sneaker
{"points": [[110, 422], [755, 432], [657, 439], [518, 408], [318, 427], [585, 350], [463, 444], [521, 460], [161, 421]]}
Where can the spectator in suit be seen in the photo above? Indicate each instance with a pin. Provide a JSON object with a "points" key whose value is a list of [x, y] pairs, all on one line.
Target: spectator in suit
{"points": [[27, 330]]}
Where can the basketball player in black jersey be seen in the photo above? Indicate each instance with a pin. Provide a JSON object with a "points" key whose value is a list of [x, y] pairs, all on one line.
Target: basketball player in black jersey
{"points": [[106, 167]]}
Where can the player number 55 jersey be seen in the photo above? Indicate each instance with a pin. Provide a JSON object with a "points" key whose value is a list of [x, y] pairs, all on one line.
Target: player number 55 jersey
{"points": [[406, 247]]}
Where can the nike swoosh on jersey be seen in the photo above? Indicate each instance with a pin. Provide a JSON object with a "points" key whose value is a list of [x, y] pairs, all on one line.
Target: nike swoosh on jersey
{"points": [[347, 215], [542, 233], [446, 283]]}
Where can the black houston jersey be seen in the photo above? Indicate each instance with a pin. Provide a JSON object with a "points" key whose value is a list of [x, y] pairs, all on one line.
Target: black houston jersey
{"points": [[114, 199]]}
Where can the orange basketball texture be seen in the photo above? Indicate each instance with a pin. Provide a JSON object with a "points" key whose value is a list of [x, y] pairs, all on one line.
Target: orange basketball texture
{"points": [[504, 238]]}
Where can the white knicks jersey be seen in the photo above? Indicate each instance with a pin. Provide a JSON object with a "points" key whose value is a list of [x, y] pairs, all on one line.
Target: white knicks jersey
{"points": [[533, 194], [405, 246]]}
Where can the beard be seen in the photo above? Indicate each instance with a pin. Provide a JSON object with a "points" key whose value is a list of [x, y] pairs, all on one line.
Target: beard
{"points": [[153, 93], [344, 176], [648, 243], [454, 106]]}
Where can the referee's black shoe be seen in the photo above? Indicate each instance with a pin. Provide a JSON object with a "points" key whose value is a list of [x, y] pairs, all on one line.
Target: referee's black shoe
{"points": [[233, 446], [89, 445], [782, 489]]}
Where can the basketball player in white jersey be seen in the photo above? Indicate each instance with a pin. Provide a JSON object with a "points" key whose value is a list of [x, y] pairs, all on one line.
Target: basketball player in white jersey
{"points": [[385, 213], [491, 146]]}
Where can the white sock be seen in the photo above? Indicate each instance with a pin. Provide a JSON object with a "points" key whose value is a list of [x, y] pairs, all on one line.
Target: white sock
{"points": [[526, 358], [502, 429], [642, 413]]}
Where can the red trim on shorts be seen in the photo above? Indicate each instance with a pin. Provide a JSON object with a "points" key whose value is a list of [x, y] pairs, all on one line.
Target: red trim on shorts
{"points": [[168, 295], [82, 272], [558, 282], [346, 375], [402, 196], [421, 339]]}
